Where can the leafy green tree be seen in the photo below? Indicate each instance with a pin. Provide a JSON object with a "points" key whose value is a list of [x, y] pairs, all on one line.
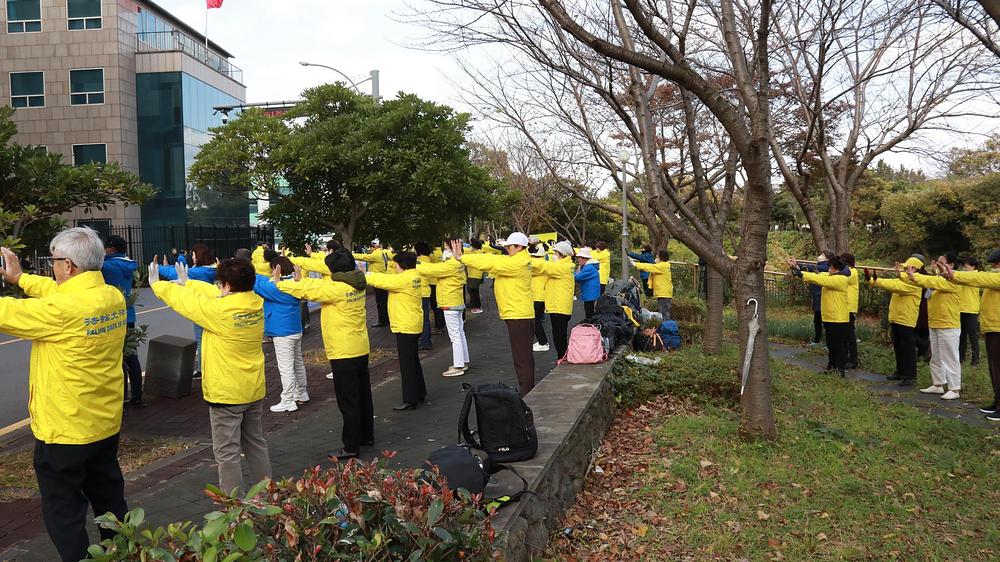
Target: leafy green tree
{"points": [[975, 162], [341, 162], [36, 186]]}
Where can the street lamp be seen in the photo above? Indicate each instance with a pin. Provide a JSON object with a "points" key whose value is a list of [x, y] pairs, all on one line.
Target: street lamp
{"points": [[372, 77], [624, 155]]}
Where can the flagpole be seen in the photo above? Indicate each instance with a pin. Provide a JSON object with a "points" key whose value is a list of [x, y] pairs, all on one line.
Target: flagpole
{"points": [[206, 28]]}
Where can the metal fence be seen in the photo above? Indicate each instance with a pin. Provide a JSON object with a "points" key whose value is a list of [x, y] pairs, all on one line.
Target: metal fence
{"points": [[145, 241]]}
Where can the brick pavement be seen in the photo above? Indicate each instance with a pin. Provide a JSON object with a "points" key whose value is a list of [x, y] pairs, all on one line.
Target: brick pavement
{"points": [[172, 489]]}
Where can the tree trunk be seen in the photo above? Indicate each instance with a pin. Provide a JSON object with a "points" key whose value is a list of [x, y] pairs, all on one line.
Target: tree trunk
{"points": [[758, 417], [841, 223], [712, 340]]}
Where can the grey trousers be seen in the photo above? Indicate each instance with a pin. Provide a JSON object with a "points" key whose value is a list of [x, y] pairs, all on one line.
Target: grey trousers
{"points": [[237, 428], [664, 308]]}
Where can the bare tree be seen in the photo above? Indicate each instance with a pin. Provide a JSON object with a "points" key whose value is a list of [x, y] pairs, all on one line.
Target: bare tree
{"points": [[981, 18]]}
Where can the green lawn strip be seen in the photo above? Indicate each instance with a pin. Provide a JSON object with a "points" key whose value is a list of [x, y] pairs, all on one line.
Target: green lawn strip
{"points": [[976, 387]]}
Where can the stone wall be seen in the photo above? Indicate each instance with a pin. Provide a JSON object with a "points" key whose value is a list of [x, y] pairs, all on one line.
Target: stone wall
{"points": [[573, 407]]}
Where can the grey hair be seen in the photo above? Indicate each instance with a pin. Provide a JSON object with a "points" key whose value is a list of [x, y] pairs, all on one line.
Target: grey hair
{"points": [[81, 245]]}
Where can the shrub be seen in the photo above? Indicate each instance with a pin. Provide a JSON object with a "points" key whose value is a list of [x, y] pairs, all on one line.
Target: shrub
{"points": [[687, 373], [358, 511]]}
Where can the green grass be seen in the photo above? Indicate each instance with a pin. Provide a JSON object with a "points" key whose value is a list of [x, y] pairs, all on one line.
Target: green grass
{"points": [[976, 386], [849, 478]]}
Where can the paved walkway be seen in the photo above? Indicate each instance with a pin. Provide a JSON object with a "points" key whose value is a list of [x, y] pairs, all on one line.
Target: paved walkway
{"points": [[888, 391], [171, 490]]}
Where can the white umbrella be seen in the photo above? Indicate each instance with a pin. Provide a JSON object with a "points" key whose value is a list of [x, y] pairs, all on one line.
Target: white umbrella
{"points": [[752, 329]]}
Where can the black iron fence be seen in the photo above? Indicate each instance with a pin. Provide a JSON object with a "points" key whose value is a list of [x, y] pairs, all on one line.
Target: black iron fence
{"points": [[147, 241]]}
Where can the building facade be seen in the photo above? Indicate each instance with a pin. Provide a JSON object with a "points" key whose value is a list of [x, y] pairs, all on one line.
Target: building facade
{"points": [[123, 81]]}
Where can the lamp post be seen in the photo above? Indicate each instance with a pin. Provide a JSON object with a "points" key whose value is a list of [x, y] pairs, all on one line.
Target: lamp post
{"points": [[624, 155], [372, 77]]}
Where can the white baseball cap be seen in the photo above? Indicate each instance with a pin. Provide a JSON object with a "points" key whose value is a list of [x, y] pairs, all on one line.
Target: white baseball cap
{"points": [[516, 239], [375, 242], [564, 248], [583, 253]]}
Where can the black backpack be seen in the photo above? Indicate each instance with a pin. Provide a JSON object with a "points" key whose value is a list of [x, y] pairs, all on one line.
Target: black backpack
{"points": [[463, 468], [609, 304], [616, 327], [505, 425]]}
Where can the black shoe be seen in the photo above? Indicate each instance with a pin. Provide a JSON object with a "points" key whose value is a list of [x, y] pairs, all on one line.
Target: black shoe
{"points": [[196, 375], [424, 347], [140, 403], [343, 455], [369, 443], [993, 417], [851, 366], [989, 408], [405, 406], [894, 377], [907, 382]]}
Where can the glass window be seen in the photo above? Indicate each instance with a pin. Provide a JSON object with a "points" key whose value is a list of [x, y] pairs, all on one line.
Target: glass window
{"points": [[86, 87], [24, 16], [27, 89], [84, 14], [88, 153]]}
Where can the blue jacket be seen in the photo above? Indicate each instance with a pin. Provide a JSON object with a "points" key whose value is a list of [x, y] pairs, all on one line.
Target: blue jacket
{"points": [[200, 273], [645, 257], [119, 271], [589, 279], [182, 258], [282, 312], [817, 291]]}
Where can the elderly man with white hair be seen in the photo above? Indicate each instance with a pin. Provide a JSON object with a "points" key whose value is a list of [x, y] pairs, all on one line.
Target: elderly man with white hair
{"points": [[76, 324]]}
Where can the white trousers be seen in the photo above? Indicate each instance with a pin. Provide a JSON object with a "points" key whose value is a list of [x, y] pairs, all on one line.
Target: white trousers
{"points": [[288, 352], [455, 323], [945, 367]]}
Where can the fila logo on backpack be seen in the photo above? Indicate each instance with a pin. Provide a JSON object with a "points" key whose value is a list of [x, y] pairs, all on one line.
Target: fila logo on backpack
{"points": [[586, 346]]}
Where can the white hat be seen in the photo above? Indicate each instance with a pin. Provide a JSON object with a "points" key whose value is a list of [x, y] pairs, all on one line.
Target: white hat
{"points": [[375, 242], [583, 253], [564, 248], [534, 239], [516, 239]]}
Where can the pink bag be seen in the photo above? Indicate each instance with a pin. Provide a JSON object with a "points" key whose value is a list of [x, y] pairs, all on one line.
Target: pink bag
{"points": [[585, 346]]}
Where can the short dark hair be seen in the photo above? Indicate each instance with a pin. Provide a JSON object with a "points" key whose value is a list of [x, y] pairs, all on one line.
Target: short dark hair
{"points": [[287, 267], [332, 245], [116, 242], [971, 260], [340, 260], [848, 258], [647, 248], [601, 245], [422, 248], [836, 262], [270, 254], [663, 255], [476, 243], [406, 260], [237, 273], [243, 254], [951, 257], [202, 255]]}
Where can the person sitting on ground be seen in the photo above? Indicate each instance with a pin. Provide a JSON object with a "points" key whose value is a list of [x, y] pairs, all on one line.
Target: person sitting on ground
{"points": [[449, 276], [538, 253], [406, 320], [232, 363], [645, 257], [560, 284], [76, 325], [944, 323], [588, 277], [119, 271], [904, 306], [283, 324], [345, 339], [836, 318], [660, 280]]}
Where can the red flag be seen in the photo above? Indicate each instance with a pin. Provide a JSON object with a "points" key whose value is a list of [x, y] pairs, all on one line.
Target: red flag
{"points": [[214, 3]]}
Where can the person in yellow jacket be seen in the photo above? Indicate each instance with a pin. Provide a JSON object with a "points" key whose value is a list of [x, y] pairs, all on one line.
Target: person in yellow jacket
{"points": [[261, 259], [449, 276], [315, 262], [904, 307], [602, 254], [836, 316], [428, 292], [406, 320], [660, 280], [345, 339], [232, 362], [76, 325], [537, 251], [969, 304], [990, 317], [853, 296], [474, 278], [944, 322], [513, 294], [560, 284], [379, 260]]}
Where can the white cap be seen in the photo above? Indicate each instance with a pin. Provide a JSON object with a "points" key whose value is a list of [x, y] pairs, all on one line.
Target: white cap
{"points": [[564, 248], [583, 253], [534, 239], [516, 239], [375, 242]]}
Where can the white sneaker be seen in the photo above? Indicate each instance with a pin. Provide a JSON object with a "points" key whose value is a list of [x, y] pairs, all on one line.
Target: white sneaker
{"points": [[302, 399], [539, 347], [453, 372], [329, 376], [950, 395], [284, 407], [933, 389]]}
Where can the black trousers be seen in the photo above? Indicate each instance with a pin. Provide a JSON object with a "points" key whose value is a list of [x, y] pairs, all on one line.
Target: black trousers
{"points": [[588, 309], [70, 477], [437, 312], [922, 341], [836, 343], [475, 301], [646, 288], [560, 332], [522, 334], [382, 305], [970, 336], [353, 388], [133, 373], [410, 371], [852, 342], [603, 285], [539, 326], [993, 357], [818, 326], [905, 350]]}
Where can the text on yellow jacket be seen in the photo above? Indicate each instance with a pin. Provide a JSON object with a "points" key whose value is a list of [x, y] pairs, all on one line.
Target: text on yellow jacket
{"points": [[406, 313], [77, 330], [512, 288], [560, 284], [538, 281], [603, 258], [449, 276], [943, 305], [660, 278], [833, 300], [904, 304], [379, 260], [989, 312], [232, 359], [342, 315]]}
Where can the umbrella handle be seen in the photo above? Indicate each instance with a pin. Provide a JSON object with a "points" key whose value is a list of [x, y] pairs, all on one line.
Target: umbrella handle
{"points": [[754, 301]]}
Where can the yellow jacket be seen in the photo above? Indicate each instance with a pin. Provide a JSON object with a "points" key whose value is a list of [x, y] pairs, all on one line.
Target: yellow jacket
{"points": [[450, 279], [77, 331], [513, 282], [538, 281], [660, 278], [342, 316], [833, 301], [904, 304], [232, 359], [853, 291], [603, 258], [989, 315], [560, 284], [259, 265], [943, 306], [380, 260], [968, 299], [316, 263], [406, 313], [425, 284], [470, 271]]}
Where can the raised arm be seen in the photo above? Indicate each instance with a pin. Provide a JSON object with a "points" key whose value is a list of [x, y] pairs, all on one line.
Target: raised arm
{"points": [[192, 302], [834, 282], [930, 282], [982, 279], [895, 286], [31, 319], [36, 286], [389, 282], [269, 291], [316, 290]]}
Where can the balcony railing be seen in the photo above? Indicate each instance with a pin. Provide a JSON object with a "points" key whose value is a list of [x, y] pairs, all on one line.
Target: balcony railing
{"points": [[159, 41]]}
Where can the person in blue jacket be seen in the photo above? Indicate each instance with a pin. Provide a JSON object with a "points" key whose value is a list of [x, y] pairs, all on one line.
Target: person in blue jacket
{"points": [[822, 265], [588, 277], [645, 257], [283, 324], [118, 270], [201, 267]]}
